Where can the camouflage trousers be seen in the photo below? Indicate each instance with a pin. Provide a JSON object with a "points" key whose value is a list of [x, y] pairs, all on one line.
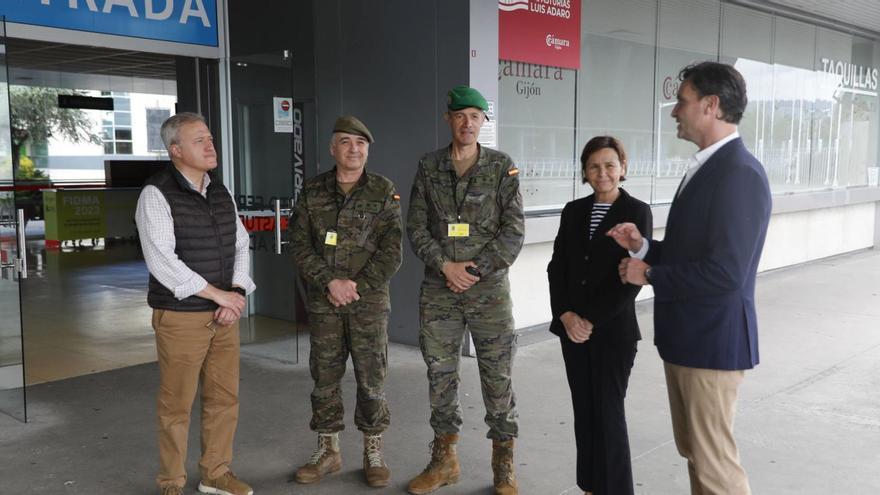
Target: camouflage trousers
{"points": [[363, 333], [486, 311]]}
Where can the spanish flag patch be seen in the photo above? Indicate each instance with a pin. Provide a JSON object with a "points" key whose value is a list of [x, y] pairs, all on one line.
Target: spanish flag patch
{"points": [[513, 172]]}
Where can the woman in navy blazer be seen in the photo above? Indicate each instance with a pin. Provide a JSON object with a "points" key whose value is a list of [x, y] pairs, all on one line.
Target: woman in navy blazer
{"points": [[594, 316]]}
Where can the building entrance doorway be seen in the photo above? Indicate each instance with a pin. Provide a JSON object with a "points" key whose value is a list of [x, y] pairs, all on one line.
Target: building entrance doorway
{"points": [[12, 389], [80, 133], [268, 138]]}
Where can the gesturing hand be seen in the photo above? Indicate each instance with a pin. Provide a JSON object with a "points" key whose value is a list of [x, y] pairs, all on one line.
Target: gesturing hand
{"points": [[627, 235]]}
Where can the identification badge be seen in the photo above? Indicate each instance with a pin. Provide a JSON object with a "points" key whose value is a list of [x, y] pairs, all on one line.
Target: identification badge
{"points": [[459, 230], [330, 239]]}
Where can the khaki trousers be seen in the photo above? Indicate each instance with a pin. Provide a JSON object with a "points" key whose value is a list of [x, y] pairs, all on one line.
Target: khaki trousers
{"points": [[191, 354], [703, 406]]}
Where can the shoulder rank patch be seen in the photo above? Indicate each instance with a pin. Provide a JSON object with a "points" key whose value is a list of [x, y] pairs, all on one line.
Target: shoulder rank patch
{"points": [[513, 172], [395, 197]]}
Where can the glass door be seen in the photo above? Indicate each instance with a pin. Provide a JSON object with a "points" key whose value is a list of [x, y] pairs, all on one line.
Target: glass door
{"points": [[267, 131], [12, 264]]}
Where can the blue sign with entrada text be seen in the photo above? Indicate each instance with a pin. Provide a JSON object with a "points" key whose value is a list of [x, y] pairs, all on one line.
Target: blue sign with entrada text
{"points": [[181, 21]]}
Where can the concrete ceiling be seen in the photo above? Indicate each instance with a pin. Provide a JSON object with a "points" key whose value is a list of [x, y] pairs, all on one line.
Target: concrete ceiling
{"points": [[57, 65], [862, 14], [57, 57], [28, 56]]}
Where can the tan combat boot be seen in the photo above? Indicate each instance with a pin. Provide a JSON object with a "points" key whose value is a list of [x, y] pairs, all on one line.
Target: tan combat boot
{"points": [[502, 468], [325, 460], [443, 469], [376, 471]]}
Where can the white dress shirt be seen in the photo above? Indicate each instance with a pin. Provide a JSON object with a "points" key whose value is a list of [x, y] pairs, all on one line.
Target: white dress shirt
{"points": [[156, 229], [700, 158], [703, 156]]}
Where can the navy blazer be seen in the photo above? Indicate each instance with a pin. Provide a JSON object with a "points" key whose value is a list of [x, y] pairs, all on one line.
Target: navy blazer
{"points": [[583, 272], [703, 272]]}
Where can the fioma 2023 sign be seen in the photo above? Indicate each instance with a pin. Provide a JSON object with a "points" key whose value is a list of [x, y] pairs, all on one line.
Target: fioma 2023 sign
{"points": [[181, 21]]}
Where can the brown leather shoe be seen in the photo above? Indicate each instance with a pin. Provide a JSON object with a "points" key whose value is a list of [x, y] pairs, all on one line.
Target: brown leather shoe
{"points": [[502, 468], [376, 471], [226, 484], [325, 460], [170, 490], [443, 469]]}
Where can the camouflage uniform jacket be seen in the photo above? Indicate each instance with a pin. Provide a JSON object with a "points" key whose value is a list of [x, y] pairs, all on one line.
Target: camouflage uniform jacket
{"points": [[486, 197], [368, 231]]}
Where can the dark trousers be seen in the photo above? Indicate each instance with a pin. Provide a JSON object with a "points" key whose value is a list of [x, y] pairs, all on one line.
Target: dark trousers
{"points": [[598, 374]]}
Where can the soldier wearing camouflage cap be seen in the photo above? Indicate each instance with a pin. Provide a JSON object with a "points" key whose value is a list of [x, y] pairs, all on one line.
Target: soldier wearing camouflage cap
{"points": [[347, 241], [465, 222]]}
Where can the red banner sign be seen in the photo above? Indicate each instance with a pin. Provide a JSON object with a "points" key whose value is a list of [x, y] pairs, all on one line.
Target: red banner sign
{"points": [[544, 32], [261, 223]]}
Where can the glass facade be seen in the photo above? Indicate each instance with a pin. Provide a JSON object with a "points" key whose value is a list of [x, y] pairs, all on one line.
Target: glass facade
{"points": [[129, 131], [812, 120], [537, 128], [116, 126]]}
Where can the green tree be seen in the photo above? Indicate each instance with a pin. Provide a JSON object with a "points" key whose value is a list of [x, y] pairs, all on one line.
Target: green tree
{"points": [[35, 117]]}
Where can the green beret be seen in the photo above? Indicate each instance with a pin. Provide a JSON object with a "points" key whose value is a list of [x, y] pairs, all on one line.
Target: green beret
{"points": [[465, 97], [351, 125]]}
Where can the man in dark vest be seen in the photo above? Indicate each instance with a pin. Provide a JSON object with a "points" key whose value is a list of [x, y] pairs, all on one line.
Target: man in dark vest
{"points": [[196, 249]]}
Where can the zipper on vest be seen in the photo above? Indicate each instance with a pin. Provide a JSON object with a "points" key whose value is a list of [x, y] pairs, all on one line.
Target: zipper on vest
{"points": [[219, 241]]}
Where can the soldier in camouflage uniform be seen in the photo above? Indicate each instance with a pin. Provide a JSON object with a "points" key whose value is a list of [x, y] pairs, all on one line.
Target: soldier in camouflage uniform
{"points": [[465, 222], [347, 242]]}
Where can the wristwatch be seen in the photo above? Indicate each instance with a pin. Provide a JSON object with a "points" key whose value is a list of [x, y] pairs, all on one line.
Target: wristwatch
{"points": [[239, 290], [648, 274]]}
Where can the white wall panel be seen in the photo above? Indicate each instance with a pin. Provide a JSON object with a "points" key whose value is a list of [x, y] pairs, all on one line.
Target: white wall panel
{"points": [[810, 235], [792, 238]]}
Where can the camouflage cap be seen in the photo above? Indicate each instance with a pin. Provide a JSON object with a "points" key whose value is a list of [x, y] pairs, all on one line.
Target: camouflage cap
{"points": [[465, 97], [351, 125]]}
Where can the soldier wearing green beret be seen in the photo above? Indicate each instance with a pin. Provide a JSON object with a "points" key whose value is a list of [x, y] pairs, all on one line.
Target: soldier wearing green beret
{"points": [[347, 242], [465, 222]]}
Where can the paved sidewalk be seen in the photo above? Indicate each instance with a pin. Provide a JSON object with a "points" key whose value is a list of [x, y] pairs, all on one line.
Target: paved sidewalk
{"points": [[808, 421]]}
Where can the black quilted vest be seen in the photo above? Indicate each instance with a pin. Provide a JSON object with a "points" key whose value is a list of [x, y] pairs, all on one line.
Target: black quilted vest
{"points": [[204, 234]]}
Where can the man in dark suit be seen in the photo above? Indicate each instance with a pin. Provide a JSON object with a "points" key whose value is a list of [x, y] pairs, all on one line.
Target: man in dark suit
{"points": [[703, 274]]}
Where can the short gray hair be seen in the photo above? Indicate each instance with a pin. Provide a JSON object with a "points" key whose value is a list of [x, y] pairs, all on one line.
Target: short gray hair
{"points": [[171, 126]]}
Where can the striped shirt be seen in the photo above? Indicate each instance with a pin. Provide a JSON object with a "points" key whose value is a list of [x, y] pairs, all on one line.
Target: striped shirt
{"points": [[596, 216], [156, 228]]}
